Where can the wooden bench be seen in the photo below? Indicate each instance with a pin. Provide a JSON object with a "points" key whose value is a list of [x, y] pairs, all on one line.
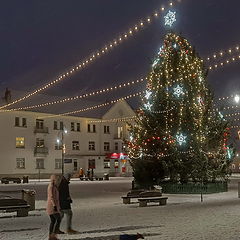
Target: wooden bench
{"points": [[143, 201], [8, 204], [131, 194]]}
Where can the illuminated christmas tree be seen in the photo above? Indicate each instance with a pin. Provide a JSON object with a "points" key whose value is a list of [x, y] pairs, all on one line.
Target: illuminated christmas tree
{"points": [[178, 134]]}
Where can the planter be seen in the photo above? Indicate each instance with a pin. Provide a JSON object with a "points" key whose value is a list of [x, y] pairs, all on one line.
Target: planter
{"points": [[194, 188]]}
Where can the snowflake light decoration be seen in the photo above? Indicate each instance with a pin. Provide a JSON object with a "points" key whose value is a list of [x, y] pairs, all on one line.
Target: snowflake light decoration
{"points": [[148, 106], [178, 91], [181, 138], [148, 94], [170, 18]]}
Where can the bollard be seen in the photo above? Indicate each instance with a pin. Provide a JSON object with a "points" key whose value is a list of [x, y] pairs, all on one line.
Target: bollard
{"points": [[238, 189]]}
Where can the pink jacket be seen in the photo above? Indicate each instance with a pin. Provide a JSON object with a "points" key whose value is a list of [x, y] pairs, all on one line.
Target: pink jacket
{"points": [[53, 199]]}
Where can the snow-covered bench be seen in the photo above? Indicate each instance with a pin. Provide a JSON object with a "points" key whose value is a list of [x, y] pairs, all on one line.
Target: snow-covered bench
{"points": [[8, 204]]}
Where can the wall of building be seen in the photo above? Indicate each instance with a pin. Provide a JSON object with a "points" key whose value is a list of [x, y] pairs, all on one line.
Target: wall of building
{"points": [[74, 159]]}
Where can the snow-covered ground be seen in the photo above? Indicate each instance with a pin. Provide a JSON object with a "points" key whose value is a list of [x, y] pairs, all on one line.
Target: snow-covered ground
{"points": [[184, 217]]}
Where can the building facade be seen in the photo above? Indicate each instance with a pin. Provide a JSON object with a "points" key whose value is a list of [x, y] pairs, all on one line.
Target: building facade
{"points": [[37, 144]]}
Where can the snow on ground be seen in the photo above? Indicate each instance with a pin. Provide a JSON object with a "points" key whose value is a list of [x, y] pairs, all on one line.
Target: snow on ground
{"points": [[183, 218]]}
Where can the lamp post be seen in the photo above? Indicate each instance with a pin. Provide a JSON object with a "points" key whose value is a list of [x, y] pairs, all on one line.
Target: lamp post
{"points": [[63, 147]]}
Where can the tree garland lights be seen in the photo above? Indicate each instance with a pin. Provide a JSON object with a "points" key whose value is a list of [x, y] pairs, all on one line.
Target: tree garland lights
{"points": [[177, 128]]}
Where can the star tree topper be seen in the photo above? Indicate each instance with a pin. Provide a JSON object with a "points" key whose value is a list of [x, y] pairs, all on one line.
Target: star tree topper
{"points": [[170, 18]]}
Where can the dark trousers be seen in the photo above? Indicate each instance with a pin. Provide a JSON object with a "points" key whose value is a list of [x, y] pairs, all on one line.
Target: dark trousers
{"points": [[55, 222]]}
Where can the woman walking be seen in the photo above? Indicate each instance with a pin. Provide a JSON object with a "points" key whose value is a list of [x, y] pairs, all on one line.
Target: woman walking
{"points": [[53, 206]]}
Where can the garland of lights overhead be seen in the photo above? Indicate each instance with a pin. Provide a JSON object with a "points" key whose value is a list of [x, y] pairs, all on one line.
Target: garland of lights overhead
{"points": [[109, 46]]}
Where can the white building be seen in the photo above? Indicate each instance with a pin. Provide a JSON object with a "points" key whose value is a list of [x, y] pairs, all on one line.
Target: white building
{"points": [[30, 143]]}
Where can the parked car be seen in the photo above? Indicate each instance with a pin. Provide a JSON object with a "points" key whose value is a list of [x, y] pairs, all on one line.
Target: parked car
{"points": [[6, 180]]}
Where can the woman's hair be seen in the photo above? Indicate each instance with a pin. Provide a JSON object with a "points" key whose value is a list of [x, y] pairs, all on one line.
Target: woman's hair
{"points": [[56, 179]]}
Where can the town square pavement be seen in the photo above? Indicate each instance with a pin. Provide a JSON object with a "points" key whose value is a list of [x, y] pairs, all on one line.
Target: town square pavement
{"points": [[105, 217]]}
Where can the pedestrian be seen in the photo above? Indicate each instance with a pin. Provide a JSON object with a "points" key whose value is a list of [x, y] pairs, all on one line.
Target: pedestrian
{"points": [[65, 202], [81, 173], [92, 174], [88, 173], [53, 206]]}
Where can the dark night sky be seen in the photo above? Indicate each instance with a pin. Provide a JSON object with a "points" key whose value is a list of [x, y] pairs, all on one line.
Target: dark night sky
{"points": [[40, 39]]}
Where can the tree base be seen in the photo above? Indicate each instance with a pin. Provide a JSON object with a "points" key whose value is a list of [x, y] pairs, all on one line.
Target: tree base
{"points": [[194, 188]]}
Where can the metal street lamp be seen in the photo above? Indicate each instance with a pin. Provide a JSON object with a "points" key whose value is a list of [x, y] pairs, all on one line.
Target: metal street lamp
{"points": [[63, 147]]}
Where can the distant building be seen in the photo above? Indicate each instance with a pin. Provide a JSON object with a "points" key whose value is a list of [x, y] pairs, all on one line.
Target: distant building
{"points": [[31, 143]]}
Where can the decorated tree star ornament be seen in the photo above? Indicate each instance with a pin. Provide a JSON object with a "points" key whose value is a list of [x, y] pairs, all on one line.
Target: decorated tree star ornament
{"points": [[170, 18], [178, 91], [181, 138]]}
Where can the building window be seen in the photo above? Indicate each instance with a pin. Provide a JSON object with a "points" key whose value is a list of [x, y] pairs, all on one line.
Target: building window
{"points": [[116, 146], [39, 123], [78, 127], [17, 122], [106, 163], [72, 126], [39, 142], [91, 163], [24, 122], [20, 163], [91, 146], [57, 125], [106, 129], [20, 122], [58, 163], [75, 145], [20, 142], [120, 132], [75, 165], [39, 163], [106, 146], [58, 145], [92, 128]]}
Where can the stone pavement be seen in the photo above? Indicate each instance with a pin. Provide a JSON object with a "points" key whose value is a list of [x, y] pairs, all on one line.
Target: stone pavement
{"points": [[183, 218]]}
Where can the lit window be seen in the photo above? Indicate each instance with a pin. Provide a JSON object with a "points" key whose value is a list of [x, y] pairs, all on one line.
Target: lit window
{"points": [[106, 163], [75, 145], [20, 142]]}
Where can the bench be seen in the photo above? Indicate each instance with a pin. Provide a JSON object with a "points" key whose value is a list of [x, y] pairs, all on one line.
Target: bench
{"points": [[143, 201], [140, 193], [8, 204]]}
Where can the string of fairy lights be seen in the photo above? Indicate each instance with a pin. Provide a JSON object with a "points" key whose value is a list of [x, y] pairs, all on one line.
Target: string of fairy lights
{"points": [[98, 53], [222, 53], [96, 106], [68, 99], [105, 90]]}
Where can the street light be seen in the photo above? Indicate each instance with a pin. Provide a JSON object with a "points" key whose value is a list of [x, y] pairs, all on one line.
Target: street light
{"points": [[64, 131], [237, 98]]}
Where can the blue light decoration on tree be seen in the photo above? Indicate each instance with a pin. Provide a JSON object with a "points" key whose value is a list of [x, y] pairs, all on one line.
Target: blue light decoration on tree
{"points": [[178, 91], [181, 139]]}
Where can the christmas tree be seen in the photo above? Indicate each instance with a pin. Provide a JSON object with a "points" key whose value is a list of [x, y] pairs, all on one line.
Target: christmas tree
{"points": [[178, 134]]}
